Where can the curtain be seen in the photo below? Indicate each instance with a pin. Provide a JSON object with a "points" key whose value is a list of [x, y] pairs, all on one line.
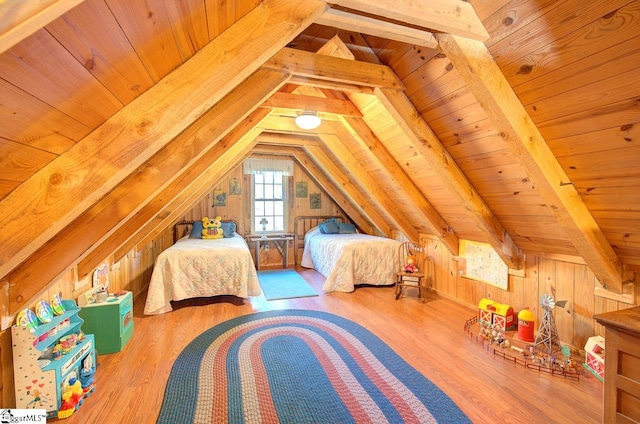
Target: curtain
{"points": [[257, 166]]}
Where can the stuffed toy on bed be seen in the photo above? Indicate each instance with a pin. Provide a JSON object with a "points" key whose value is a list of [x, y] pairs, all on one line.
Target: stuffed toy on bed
{"points": [[211, 228]]}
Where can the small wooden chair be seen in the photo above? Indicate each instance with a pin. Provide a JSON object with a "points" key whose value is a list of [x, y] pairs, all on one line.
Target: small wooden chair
{"points": [[412, 279]]}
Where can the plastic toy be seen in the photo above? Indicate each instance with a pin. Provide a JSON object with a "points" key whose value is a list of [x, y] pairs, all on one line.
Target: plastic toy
{"points": [[86, 376], [101, 295], [594, 356], [548, 332], [528, 358], [56, 304], [27, 318], [44, 311], [211, 228], [67, 343], [57, 351], [72, 398], [496, 313], [517, 349], [526, 320]]}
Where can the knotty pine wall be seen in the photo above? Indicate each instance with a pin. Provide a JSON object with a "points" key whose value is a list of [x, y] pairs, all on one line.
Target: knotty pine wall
{"points": [[563, 279], [238, 207], [132, 272]]}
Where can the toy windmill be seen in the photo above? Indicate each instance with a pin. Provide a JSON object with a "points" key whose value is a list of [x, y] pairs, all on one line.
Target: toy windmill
{"points": [[548, 333]]}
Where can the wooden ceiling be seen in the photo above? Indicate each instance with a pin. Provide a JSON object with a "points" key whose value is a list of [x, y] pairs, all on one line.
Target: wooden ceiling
{"points": [[508, 122]]}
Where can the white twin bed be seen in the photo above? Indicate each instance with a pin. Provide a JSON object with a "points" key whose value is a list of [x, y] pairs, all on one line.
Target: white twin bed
{"points": [[347, 260], [201, 268]]}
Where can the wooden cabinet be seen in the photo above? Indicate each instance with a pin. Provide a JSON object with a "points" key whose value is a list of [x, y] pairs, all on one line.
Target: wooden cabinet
{"points": [[41, 376], [622, 366]]}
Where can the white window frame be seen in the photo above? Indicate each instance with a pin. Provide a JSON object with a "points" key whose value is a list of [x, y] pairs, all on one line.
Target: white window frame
{"points": [[255, 226]]}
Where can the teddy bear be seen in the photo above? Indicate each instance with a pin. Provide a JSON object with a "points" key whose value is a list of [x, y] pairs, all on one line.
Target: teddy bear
{"points": [[211, 228], [410, 264]]}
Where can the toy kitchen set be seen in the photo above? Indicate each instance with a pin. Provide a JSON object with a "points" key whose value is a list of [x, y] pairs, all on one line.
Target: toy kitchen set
{"points": [[55, 346], [109, 317], [54, 360]]}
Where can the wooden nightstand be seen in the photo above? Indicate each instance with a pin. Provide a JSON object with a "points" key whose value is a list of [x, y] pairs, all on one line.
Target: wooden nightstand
{"points": [[280, 241]]}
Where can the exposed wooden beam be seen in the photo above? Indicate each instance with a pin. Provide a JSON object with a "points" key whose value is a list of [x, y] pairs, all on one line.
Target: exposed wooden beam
{"points": [[318, 174], [298, 102], [336, 48], [296, 140], [275, 123], [227, 154], [449, 16], [168, 205], [334, 69], [19, 18], [376, 151], [361, 47], [121, 213], [427, 144], [70, 184], [363, 179], [159, 210], [380, 28], [338, 176], [264, 149], [332, 85], [485, 80], [387, 164], [233, 148]]}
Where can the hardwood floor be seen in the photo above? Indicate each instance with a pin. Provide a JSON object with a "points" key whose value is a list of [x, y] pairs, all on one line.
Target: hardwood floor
{"points": [[429, 336]]}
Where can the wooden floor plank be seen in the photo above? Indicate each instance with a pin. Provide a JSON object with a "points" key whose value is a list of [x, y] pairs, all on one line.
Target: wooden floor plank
{"points": [[429, 336]]}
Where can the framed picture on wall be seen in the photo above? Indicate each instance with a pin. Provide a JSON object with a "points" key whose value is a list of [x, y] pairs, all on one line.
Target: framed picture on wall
{"points": [[315, 201], [234, 187], [302, 189], [219, 198]]}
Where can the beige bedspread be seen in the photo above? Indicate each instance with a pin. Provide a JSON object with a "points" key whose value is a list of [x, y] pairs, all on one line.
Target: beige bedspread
{"points": [[201, 268], [346, 260]]}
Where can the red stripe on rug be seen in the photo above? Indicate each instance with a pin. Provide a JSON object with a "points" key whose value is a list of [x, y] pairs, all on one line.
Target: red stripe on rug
{"points": [[266, 406], [398, 401], [219, 407], [345, 393]]}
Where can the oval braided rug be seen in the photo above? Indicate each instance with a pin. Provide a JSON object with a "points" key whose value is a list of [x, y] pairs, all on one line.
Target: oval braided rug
{"points": [[297, 366]]}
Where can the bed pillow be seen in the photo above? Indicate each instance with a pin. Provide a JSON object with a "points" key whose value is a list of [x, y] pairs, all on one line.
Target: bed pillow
{"points": [[329, 227], [228, 229], [346, 228], [196, 231]]}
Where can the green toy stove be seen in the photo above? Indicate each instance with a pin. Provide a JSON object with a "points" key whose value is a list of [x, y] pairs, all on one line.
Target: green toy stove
{"points": [[111, 322]]}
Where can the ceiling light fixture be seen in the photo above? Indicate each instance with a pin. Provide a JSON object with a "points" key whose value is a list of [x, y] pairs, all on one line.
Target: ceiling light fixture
{"points": [[308, 120]]}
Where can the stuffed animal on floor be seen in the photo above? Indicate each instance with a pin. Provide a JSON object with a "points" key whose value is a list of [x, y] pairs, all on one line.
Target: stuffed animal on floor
{"points": [[211, 228], [410, 264]]}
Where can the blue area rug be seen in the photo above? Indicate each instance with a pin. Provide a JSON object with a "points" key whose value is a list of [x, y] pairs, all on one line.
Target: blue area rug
{"points": [[298, 366], [284, 284]]}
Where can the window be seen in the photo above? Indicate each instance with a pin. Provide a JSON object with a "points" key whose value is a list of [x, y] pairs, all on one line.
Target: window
{"points": [[268, 194], [268, 201]]}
